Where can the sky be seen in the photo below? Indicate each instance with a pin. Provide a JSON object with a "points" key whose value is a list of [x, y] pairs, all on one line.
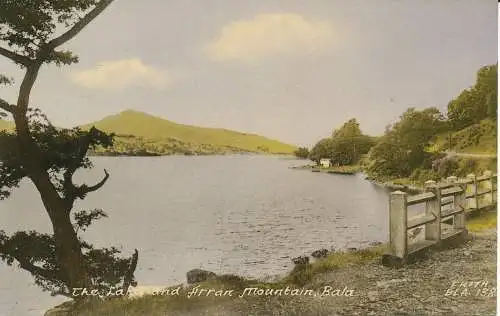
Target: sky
{"points": [[291, 70]]}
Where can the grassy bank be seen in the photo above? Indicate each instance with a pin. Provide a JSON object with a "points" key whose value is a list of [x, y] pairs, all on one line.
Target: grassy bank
{"points": [[301, 277]]}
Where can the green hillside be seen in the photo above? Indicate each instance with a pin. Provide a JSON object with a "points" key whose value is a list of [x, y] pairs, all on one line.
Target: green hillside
{"points": [[478, 138], [141, 132]]}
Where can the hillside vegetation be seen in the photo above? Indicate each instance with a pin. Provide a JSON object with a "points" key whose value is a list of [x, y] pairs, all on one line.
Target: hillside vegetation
{"points": [[138, 131], [480, 138]]}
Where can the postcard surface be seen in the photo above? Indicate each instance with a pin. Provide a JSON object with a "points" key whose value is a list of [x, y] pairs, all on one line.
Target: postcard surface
{"points": [[248, 157]]}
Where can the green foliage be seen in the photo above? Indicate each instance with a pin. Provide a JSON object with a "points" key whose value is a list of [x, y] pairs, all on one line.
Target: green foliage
{"points": [[27, 26], [348, 129], [402, 149], [322, 149], [35, 252], [345, 147], [420, 175], [301, 152], [476, 103], [476, 138], [445, 167], [63, 151]]}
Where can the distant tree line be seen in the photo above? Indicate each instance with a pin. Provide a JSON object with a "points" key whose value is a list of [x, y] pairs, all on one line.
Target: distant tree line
{"points": [[345, 146], [402, 150]]}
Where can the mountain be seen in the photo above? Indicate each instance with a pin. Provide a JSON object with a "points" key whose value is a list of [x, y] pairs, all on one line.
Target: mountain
{"points": [[142, 132]]}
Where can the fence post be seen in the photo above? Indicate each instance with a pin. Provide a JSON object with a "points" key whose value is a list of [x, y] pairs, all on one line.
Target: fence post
{"points": [[488, 185], [459, 203], [433, 229], [398, 222], [473, 201]]}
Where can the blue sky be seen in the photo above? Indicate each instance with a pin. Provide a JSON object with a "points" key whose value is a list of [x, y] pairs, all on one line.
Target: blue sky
{"points": [[292, 70]]}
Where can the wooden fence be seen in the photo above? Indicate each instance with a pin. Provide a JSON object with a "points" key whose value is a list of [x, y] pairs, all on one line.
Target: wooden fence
{"points": [[444, 218]]}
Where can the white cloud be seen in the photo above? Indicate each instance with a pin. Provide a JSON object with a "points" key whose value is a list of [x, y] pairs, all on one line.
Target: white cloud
{"points": [[119, 74], [268, 35]]}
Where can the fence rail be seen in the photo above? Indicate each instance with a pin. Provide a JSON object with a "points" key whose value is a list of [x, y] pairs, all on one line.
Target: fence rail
{"points": [[449, 201]]}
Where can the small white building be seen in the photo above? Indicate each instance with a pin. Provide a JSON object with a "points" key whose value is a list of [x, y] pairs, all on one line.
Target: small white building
{"points": [[325, 163]]}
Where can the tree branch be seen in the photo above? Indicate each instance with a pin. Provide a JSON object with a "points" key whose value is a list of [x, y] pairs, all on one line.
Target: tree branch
{"points": [[23, 99], [83, 190], [25, 61], [4, 105], [103, 4], [35, 270]]}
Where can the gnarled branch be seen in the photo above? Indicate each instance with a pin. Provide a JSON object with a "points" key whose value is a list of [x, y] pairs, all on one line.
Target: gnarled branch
{"points": [[36, 270], [23, 60], [74, 192], [84, 189], [4, 105]]}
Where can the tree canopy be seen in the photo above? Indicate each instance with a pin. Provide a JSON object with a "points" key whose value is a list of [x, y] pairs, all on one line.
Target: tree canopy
{"points": [[476, 103], [402, 148], [345, 147], [31, 33]]}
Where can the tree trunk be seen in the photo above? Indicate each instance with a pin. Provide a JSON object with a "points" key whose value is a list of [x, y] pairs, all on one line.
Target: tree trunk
{"points": [[68, 250]]}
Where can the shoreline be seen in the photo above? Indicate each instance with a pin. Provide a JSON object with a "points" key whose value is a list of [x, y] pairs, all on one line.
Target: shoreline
{"points": [[391, 185], [149, 154], [375, 287]]}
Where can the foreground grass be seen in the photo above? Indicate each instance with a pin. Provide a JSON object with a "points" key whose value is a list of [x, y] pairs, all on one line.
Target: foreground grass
{"points": [[484, 221]]}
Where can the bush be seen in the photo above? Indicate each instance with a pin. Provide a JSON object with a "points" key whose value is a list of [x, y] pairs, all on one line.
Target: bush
{"points": [[421, 175], [446, 167]]}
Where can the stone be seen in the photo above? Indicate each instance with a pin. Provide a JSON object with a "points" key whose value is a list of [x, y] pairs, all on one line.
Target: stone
{"points": [[321, 253], [372, 296], [375, 243], [199, 275], [300, 260]]}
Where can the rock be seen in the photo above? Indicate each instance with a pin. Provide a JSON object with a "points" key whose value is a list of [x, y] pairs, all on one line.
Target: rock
{"points": [[352, 249], [321, 253], [467, 253], [372, 313], [375, 243], [372, 296], [300, 260], [199, 275]]}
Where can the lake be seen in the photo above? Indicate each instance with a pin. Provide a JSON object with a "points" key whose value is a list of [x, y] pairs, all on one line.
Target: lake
{"points": [[247, 215]]}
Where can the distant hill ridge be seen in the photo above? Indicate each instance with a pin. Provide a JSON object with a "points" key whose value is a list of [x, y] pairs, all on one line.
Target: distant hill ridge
{"points": [[141, 132]]}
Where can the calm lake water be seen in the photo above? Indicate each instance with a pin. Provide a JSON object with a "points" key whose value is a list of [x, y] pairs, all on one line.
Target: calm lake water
{"points": [[247, 215]]}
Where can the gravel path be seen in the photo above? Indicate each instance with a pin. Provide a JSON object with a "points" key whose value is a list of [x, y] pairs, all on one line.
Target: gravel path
{"points": [[422, 288]]}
